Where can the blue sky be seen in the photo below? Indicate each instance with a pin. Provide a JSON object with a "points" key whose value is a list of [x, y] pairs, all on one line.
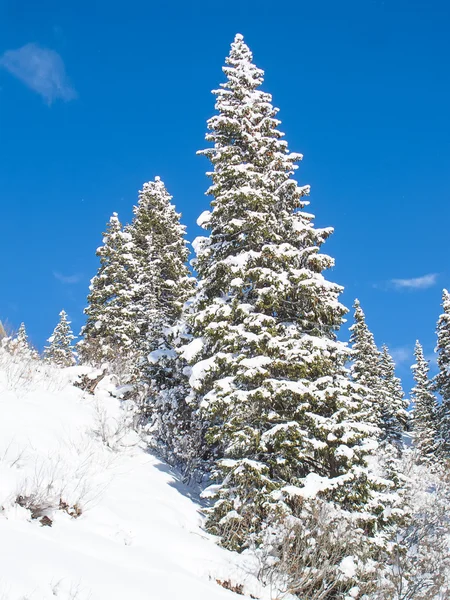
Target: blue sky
{"points": [[97, 97]]}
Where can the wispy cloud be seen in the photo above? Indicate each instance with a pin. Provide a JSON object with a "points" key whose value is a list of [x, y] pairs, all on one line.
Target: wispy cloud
{"points": [[416, 283], [68, 279], [42, 70], [402, 355]]}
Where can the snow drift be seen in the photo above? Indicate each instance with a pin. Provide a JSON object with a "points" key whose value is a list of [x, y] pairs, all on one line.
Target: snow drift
{"points": [[86, 511]]}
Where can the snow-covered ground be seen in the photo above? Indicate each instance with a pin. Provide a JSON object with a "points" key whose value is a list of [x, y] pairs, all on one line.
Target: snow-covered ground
{"points": [[139, 534]]}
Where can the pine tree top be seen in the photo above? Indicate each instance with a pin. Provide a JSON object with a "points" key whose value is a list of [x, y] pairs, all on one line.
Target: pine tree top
{"points": [[420, 370], [393, 382], [443, 326], [59, 350], [442, 379], [366, 356], [425, 412], [156, 215], [418, 353], [22, 333], [246, 121]]}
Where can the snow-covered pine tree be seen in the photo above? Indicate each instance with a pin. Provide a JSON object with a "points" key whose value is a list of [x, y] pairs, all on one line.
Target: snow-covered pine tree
{"points": [[375, 371], [157, 222], [424, 421], [22, 338], [19, 345], [163, 284], [109, 332], [283, 420], [143, 309], [60, 351], [173, 424], [442, 379], [394, 416], [365, 369]]}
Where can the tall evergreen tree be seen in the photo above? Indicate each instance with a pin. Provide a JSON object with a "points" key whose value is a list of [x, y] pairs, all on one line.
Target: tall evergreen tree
{"points": [[60, 351], [163, 286], [442, 379], [425, 422], [161, 274], [109, 333], [394, 417], [268, 375]]}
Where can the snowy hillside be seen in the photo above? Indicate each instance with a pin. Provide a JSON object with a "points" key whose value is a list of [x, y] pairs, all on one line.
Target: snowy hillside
{"points": [[86, 512]]}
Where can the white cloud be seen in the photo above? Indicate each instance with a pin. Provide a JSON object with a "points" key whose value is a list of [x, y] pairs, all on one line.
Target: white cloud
{"points": [[416, 283], [41, 69], [402, 355], [68, 279]]}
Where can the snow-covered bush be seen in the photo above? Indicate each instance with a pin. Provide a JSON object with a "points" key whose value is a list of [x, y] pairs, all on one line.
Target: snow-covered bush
{"points": [[65, 480], [321, 553], [16, 374], [417, 563]]}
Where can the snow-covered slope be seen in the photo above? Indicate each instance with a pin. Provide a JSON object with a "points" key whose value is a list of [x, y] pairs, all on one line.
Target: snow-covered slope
{"points": [[139, 534]]}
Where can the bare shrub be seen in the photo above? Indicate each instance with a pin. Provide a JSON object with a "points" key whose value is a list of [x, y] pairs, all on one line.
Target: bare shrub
{"points": [[69, 590], [38, 493], [64, 481], [19, 372], [111, 431]]}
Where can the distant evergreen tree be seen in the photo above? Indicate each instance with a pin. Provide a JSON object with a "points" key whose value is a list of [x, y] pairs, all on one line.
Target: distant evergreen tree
{"points": [[268, 375], [22, 338], [60, 351], [425, 414], [19, 345], [138, 292], [375, 371], [161, 274], [109, 333], [394, 416], [159, 237], [442, 379], [163, 284], [366, 369]]}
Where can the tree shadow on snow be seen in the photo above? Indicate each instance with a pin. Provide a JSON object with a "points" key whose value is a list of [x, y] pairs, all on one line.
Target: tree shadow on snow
{"points": [[189, 490]]}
